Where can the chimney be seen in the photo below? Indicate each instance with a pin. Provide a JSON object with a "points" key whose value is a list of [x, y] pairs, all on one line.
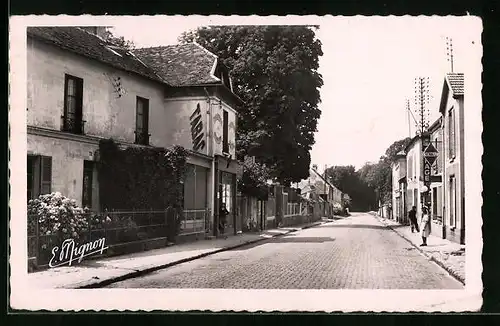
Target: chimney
{"points": [[96, 30], [315, 167]]}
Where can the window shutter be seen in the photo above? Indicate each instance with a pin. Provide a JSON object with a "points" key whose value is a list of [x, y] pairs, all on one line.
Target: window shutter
{"points": [[46, 174], [453, 131], [79, 98]]}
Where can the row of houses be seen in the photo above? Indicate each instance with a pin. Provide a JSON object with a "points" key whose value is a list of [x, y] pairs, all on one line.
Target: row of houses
{"points": [[430, 170], [83, 88], [308, 200]]}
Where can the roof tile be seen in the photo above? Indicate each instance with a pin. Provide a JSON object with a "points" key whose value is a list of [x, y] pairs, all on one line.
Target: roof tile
{"points": [[456, 82], [181, 65], [84, 43]]}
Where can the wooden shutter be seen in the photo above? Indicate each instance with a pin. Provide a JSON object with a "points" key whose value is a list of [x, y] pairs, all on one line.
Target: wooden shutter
{"points": [[79, 99], [88, 170], [45, 174], [225, 131]]}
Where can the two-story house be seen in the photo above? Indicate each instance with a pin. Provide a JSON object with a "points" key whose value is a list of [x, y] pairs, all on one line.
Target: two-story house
{"points": [[452, 112], [82, 89], [414, 178], [436, 184], [203, 102]]}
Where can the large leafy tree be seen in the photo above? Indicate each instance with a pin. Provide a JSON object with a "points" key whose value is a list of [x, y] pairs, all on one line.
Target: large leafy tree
{"points": [[274, 71]]}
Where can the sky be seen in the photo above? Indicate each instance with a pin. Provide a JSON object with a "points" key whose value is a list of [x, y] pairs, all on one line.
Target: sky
{"points": [[369, 65]]}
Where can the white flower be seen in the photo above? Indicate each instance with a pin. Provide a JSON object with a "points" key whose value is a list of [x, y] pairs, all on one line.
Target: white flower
{"points": [[64, 230], [48, 233]]}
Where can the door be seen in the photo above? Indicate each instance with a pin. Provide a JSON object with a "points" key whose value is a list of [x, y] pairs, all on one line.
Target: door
{"points": [[226, 195]]}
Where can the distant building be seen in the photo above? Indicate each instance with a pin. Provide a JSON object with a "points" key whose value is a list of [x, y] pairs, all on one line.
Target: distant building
{"points": [[436, 185], [414, 177], [328, 195], [399, 207]]}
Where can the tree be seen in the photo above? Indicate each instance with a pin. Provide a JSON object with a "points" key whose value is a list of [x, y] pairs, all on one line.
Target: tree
{"points": [[379, 176], [274, 71], [348, 180], [119, 40], [347, 200]]}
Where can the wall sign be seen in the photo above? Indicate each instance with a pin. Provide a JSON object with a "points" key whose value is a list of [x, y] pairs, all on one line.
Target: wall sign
{"points": [[197, 134], [217, 128]]}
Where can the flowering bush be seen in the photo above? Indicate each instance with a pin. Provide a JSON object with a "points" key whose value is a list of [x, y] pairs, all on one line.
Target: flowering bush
{"points": [[337, 209], [58, 216]]}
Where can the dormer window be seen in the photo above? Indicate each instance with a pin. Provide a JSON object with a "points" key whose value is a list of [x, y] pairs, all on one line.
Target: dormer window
{"points": [[223, 75]]}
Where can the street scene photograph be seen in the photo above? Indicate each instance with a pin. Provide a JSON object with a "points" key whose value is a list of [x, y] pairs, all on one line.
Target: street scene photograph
{"points": [[183, 154]]}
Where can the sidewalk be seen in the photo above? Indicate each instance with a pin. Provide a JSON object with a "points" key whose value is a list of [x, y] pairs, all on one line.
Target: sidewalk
{"points": [[447, 254], [98, 273]]}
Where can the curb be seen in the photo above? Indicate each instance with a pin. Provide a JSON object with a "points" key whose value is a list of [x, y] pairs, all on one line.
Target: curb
{"points": [[138, 273], [430, 257]]}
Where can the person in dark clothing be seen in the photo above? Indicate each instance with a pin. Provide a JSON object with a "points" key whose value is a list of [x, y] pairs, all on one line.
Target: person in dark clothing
{"points": [[223, 213], [412, 215]]}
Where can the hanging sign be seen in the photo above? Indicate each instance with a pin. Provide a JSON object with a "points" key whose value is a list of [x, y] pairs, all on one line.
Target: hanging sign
{"points": [[427, 172], [430, 154]]}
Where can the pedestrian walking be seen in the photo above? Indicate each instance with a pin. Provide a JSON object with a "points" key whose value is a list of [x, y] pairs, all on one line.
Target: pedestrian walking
{"points": [[425, 225], [412, 216], [223, 213]]}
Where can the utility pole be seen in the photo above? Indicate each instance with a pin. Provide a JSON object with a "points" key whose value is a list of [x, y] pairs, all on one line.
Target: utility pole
{"points": [[449, 51], [422, 99], [410, 113], [326, 192]]}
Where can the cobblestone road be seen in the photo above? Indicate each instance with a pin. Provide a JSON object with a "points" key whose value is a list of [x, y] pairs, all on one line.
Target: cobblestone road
{"points": [[354, 253]]}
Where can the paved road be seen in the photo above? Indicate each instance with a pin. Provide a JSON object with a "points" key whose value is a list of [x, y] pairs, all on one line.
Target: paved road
{"points": [[354, 253]]}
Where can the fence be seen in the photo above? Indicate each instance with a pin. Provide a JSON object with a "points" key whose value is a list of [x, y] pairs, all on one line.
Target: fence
{"points": [[118, 228], [194, 221]]}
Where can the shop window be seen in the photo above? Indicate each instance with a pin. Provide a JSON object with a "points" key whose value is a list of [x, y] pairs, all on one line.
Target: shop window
{"points": [[195, 188], [226, 190]]}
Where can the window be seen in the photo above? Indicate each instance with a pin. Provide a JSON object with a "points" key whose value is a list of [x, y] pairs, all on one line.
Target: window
{"points": [[88, 173], [438, 164], [410, 167], [73, 104], [451, 134], [453, 201], [434, 202], [142, 121], [225, 131], [39, 176]]}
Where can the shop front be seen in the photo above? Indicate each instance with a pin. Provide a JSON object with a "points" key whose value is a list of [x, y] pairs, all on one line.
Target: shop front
{"points": [[225, 189]]}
